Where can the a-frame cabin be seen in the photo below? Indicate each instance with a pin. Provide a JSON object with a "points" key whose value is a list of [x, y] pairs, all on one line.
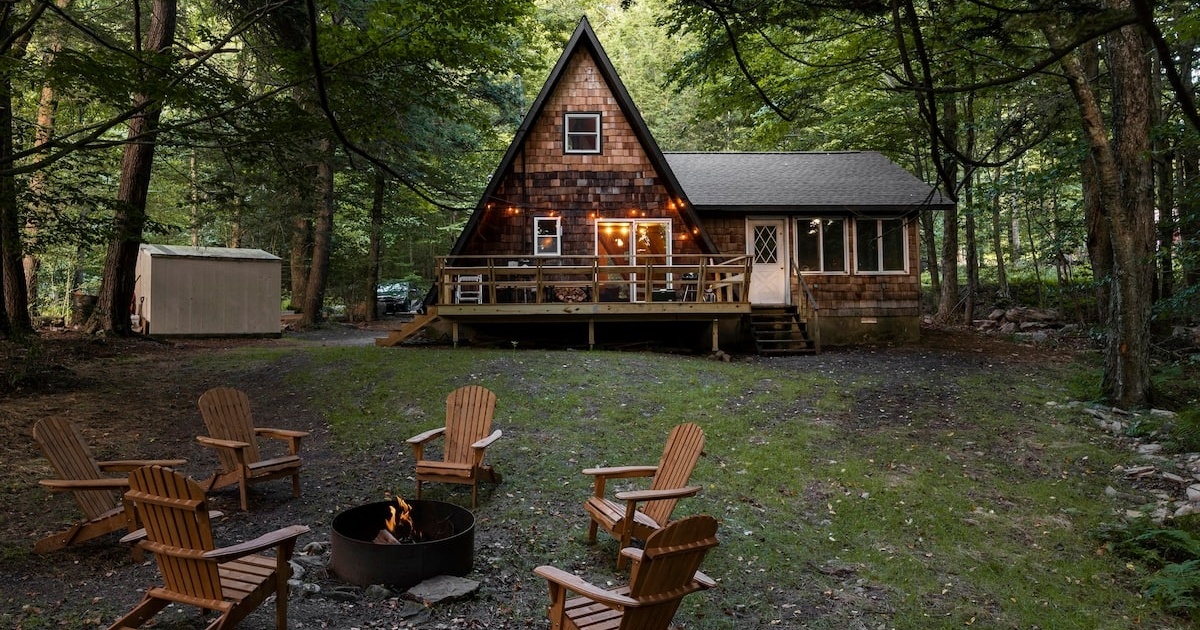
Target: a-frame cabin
{"points": [[588, 233]]}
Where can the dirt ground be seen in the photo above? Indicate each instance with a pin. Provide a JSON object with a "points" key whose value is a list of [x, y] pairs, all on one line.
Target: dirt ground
{"points": [[134, 400]]}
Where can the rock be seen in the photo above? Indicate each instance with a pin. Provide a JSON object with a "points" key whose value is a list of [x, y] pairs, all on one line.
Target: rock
{"points": [[378, 591], [1149, 449], [1186, 509], [343, 594], [996, 314], [1193, 493], [1173, 477], [316, 548], [443, 588], [1161, 413], [305, 589]]}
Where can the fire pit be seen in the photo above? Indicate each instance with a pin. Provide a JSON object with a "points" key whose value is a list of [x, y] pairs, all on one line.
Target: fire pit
{"points": [[436, 539]]}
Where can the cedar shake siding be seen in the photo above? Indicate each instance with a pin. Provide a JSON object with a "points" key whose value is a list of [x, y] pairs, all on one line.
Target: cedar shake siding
{"points": [[544, 180]]}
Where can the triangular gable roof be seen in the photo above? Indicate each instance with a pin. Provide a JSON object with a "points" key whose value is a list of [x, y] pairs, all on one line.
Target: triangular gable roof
{"points": [[585, 38], [857, 181]]}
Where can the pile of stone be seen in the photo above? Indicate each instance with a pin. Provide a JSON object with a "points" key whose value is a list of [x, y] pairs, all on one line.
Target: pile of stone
{"points": [[311, 578], [1031, 325], [1168, 485]]}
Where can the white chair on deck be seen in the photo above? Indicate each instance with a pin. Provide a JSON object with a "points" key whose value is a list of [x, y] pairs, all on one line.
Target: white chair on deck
{"points": [[468, 290]]}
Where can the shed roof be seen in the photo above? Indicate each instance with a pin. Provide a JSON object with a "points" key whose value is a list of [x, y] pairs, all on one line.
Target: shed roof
{"points": [[842, 180], [226, 253]]}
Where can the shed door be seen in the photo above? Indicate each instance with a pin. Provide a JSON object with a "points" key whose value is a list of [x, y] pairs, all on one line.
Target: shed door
{"points": [[766, 242]]}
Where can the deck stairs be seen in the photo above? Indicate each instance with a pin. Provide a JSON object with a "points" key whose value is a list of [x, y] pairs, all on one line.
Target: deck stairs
{"points": [[406, 331], [779, 330]]}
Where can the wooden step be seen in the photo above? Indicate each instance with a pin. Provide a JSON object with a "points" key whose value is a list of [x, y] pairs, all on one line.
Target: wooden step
{"points": [[399, 336], [779, 331]]}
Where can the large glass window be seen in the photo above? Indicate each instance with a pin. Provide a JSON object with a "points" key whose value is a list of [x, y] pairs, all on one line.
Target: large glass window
{"points": [[581, 133], [882, 246], [547, 236], [624, 245], [821, 245]]}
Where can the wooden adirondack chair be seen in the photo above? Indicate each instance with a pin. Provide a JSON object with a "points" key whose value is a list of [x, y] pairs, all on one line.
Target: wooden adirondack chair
{"points": [[469, 412], [226, 413], [80, 474], [639, 513], [232, 581], [663, 572]]}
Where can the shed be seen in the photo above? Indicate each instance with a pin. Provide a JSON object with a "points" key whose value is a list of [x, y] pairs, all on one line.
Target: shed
{"points": [[207, 291]]}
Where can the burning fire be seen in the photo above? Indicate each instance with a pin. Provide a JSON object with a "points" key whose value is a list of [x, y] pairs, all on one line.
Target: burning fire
{"points": [[398, 525]]}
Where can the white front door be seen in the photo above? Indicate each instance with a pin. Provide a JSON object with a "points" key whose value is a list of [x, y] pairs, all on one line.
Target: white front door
{"points": [[767, 247]]}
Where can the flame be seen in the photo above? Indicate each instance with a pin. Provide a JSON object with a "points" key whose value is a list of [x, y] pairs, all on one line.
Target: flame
{"points": [[399, 517]]}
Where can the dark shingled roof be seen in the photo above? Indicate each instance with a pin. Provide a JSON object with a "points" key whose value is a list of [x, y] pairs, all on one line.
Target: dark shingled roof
{"points": [[859, 181]]}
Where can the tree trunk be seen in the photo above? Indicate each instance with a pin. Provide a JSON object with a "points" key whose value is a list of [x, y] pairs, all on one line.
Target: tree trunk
{"points": [[374, 247], [116, 284], [47, 107], [14, 307], [298, 260], [318, 273], [998, 239], [1125, 188], [948, 302]]}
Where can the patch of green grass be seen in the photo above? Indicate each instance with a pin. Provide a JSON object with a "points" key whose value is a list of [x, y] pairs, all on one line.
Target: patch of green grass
{"points": [[960, 499]]}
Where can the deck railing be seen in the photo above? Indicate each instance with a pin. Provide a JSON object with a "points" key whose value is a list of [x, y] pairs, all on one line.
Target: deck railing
{"points": [[465, 280]]}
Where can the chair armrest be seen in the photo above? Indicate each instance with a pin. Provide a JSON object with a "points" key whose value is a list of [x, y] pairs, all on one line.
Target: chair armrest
{"points": [[262, 543], [69, 485], [215, 443], [487, 441], [426, 436], [280, 434], [130, 465], [622, 472], [287, 435], [652, 495], [578, 585]]}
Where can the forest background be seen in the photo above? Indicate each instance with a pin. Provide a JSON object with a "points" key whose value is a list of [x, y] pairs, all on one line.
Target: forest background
{"points": [[353, 138]]}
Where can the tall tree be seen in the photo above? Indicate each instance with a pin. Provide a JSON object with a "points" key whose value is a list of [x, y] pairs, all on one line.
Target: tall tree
{"points": [[1125, 192], [129, 219]]}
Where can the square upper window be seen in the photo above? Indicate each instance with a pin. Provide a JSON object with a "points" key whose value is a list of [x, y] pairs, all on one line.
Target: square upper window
{"points": [[547, 236], [581, 133]]}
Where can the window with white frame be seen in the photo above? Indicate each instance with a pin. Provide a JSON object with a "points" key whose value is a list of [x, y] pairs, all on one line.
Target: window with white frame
{"points": [[547, 236], [882, 246], [821, 245], [581, 133]]}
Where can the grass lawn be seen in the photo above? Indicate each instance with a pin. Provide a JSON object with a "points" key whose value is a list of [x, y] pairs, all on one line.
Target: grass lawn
{"points": [[898, 489], [907, 487]]}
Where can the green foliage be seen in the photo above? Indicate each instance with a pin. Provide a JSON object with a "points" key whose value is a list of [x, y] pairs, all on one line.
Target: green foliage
{"points": [[1173, 558]]}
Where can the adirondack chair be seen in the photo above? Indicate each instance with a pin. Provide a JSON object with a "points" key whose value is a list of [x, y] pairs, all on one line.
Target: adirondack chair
{"points": [[639, 513], [232, 433], [663, 573], [468, 433], [232, 580], [80, 474]]}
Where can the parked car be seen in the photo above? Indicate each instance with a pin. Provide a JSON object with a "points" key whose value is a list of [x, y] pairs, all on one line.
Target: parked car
{"points": [[398, 296]]}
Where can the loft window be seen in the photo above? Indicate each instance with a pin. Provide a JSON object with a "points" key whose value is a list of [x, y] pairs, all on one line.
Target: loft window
{"points": [[821, 245], [581, 133], [547, 236], [882, 245]]}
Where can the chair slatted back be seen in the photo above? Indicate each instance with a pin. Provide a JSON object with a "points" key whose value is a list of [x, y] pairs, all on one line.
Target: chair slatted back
{"points": [[469, 411], [174, 511], [226, 413], [62, 444], [671, 557], [680, 454]]}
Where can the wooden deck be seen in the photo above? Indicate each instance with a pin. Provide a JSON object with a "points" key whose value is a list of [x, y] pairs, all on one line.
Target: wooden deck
{"points": [[483, 288]]}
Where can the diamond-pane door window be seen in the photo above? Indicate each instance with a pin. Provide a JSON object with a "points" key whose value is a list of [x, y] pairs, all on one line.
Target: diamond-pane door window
{"points": [[766, 243]]}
